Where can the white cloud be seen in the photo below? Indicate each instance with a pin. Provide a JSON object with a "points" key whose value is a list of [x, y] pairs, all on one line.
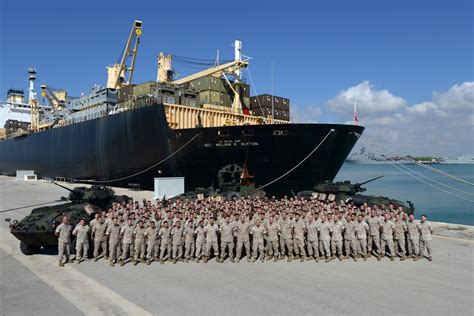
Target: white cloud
{"points": [[459, 96], [367, 98], [307, 114], [441, 126]]}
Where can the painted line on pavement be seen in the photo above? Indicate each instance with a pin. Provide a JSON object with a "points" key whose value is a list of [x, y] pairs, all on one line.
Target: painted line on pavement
{"points": [[89, 296]]}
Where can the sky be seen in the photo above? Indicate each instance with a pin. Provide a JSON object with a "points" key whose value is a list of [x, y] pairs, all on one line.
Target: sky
{"points": [[408, 65]]}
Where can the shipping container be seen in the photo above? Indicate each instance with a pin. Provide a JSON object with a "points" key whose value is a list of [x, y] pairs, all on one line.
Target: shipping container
{"points": [[265, 100], [124, 93], [143, 88]]}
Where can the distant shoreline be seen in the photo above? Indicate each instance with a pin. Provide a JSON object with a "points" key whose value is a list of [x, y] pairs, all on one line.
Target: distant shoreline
{"points": [[382, 162]]}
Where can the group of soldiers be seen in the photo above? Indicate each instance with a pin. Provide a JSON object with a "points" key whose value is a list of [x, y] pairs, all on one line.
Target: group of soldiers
{"points": [[255, 228]]}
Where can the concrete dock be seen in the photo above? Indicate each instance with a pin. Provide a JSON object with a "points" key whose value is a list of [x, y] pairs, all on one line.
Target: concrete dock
{"points": [[36, 285]]}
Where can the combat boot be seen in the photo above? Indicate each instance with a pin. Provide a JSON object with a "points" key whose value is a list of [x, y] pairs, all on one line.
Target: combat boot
{"points": [[186, 260], [268, 257], [262, 259], [308, 258], [392, 258], [379, 257], [253, 260], [148, 262], [205, 259], [237, 259], [296, 257], [61, 264], [402, 258], [302, 259], [333, 257], [430, 259], [364, 258], [111, 263], [135, 262], [290, 258], [416, 258], [316, 259], [248, 259], [355, 258], [162, 261], [78, 261], [275, 259], [175, 260], [328, 259], [122, 263], [340, 258], [96, 259], [231, 259]]}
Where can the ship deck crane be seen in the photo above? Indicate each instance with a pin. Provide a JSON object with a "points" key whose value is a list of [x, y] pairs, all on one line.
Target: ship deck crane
{"points": [[233, 68], [52, 98], [117, 73]]}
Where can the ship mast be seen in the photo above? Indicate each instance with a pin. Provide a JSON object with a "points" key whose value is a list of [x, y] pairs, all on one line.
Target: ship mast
{"points": [[33, 100]]}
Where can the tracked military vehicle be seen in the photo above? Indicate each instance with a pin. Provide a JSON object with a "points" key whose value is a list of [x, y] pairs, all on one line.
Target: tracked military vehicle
{"points": [[37, 230], [349, 193]]}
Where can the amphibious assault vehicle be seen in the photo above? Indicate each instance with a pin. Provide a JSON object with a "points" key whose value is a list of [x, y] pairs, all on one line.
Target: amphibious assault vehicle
{"points": [[37, 230], [349, 193]]}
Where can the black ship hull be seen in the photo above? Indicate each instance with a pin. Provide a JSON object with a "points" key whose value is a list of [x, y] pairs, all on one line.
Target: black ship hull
{"points": [[127, 148]]}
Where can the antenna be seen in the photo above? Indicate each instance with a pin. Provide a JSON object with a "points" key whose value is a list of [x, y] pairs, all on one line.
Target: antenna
{"points": [[217, 59]]}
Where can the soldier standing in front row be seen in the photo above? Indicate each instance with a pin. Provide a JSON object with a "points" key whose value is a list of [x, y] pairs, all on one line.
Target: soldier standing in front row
{"points": [[243, 238], [313, 240], [413, 238], [99, 237], [425, 237], [81, 231], [258, 231], [200, 241], [165, 246], [177, 241], [273, 229], [211, 239], [139, 235], [151, 234], [387, 236], [227, 238], [189, 241], [113, 232], [126, 233], [63, 232]]}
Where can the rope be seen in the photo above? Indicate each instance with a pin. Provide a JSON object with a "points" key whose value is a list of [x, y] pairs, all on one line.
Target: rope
{"points": [[145, 170], [409, 173], [423, 165], [297, 165], [422, 175]]}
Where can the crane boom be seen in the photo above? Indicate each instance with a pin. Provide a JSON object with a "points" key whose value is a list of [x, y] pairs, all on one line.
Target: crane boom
{"points": [[117, 74], [229, 68]]}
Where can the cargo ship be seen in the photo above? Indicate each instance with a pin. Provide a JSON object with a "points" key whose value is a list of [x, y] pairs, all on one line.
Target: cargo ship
{"points": [[204, 127]]}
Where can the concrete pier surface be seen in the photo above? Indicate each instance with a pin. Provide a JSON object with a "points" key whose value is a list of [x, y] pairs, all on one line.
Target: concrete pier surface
{"points": [[36, 285]]}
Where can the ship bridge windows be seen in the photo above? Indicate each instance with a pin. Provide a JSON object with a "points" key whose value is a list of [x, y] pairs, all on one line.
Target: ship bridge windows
{"points": [[280, 132]]}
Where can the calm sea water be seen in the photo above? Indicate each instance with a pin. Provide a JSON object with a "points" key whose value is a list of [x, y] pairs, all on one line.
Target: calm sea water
{"points": [[437, 205]]}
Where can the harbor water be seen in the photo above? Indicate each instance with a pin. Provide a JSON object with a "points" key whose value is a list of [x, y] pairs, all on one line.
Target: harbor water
{"points": [[437, 205]]}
